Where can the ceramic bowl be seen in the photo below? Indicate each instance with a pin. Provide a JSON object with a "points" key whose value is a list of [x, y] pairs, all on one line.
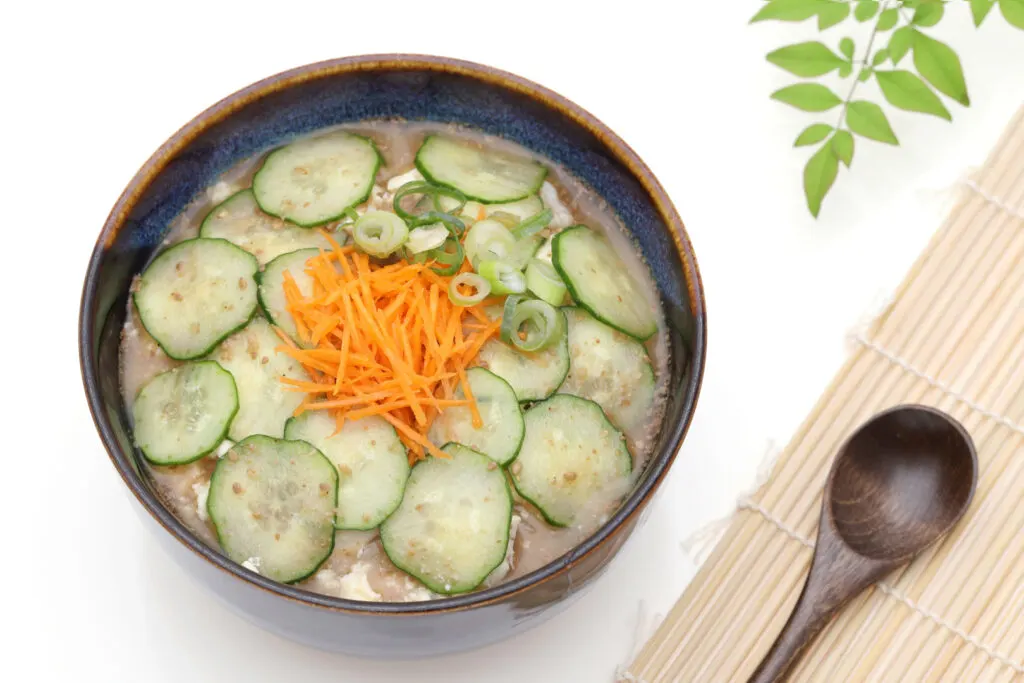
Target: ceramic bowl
{"points": [[305, 99]]}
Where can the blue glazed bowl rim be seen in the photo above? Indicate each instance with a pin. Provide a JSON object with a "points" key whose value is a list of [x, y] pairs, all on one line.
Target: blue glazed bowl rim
{"points": [[635, 502]]}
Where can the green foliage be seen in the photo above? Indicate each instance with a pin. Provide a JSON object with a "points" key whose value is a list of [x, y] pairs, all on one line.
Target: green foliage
{"points": [[936, 71]]}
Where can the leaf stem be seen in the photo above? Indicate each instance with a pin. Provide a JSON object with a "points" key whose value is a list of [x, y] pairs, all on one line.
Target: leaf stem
{"points": [[856, 78]]}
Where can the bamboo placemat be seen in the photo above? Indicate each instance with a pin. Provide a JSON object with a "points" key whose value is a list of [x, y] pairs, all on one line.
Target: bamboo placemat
{"points": [[953, 338]]}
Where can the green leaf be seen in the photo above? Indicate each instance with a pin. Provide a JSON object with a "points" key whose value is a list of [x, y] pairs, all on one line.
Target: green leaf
{"points": [[865, 10], [846, 46], [980, 10], [928, 14], [939, 65], [806, 59], [845, 70], [864, 75], [868, 120], [906, 91], [808, 96], [788, 10], [1013, 12], [832, 13], [887, 19], [900, 43], [842, 147], [813, 134], [819, 175], [880, 57]]}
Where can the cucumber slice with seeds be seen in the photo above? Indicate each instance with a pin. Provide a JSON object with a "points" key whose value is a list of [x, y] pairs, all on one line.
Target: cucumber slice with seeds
{"points": [[272, 504], [372, 463], [271, 289], [239, 220], [609, 368], [532, 376], [452, 527], [183, 414], [313, 181], [264, 405], [486, 175], [195, 294], [599, 282], [502, 430], [571, 459]]}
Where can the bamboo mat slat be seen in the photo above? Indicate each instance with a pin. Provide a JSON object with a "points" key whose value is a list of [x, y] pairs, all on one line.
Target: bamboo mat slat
{"points": [[953, 338]]}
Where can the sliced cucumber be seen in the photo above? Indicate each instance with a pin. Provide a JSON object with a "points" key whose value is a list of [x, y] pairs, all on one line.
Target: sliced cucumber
{"points": [[571, 455], [196, 293], [264, 405], [239, 220], [372, 464], [452, 527], [599, 282], [521, 209], [609, 368], [502, 430], [271, 290], [312, 181], [272, 504], [532, 376], [485, 175], [183, 414]]}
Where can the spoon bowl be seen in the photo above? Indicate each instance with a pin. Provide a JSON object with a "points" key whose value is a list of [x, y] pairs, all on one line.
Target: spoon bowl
{"points": [[901, 481], [897, 485]]}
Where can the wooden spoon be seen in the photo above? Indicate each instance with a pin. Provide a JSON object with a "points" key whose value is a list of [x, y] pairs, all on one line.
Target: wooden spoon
{"points": [[897, 485]]}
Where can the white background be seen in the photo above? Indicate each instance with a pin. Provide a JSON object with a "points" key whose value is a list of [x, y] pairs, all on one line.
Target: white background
{"points": [[90, 89]]}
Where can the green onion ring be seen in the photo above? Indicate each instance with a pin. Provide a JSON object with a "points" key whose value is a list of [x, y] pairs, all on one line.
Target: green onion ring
{"points": [[532, 225], [540, 322], [379, 233], [481, 288], [434, 193], [488, 240], [543, 280], [504, 277], [449, 256]]}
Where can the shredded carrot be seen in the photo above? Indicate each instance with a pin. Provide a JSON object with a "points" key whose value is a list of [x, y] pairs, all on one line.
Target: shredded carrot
{"points": [[382, 340]]}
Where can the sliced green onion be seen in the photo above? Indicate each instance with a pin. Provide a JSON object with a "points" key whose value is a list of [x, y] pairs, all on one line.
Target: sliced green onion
{"points": [[449, 256], [509, 220], [543, 280], [453, 223], [380, 233], [413, 201], [532, 225], [523, 251], [504, 278], [351, 214], [531, 324], [426, 237], [488, 240], [481, 288]]}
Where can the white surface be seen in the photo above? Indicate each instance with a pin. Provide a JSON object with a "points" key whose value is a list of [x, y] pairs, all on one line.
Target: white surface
{"points": [[92, 89]]}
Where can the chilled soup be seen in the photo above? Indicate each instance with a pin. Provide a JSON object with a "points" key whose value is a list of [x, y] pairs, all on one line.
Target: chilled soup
{"points": [[298, 387]]}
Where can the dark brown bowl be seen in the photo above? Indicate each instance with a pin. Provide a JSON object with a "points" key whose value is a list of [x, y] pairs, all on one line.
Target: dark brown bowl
{"points": [[362, 88]]}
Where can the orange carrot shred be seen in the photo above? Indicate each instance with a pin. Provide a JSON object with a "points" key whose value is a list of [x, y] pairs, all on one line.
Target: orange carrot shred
{"points": [[382, 340]]}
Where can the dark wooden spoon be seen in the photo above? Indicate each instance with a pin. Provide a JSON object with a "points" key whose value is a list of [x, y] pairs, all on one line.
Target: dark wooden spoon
{"points": [[897, 485]]}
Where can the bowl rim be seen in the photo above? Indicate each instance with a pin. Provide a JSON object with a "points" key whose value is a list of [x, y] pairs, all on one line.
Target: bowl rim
{"points": [[634, 503]]}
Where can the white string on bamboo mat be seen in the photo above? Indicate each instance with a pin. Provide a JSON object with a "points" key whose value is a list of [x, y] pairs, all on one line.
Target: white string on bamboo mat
{"points": [[996, 201], [889, 590], [938, 384]]}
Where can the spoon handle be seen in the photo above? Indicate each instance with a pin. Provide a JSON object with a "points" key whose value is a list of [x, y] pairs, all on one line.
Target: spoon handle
{"points": [[837, 575]]}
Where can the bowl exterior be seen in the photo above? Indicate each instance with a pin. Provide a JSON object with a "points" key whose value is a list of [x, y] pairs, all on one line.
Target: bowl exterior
{"points": [[300, 101]]}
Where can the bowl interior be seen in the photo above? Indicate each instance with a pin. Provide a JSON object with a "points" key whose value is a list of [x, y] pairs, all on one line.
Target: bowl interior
{"points": [[273, 111]]}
